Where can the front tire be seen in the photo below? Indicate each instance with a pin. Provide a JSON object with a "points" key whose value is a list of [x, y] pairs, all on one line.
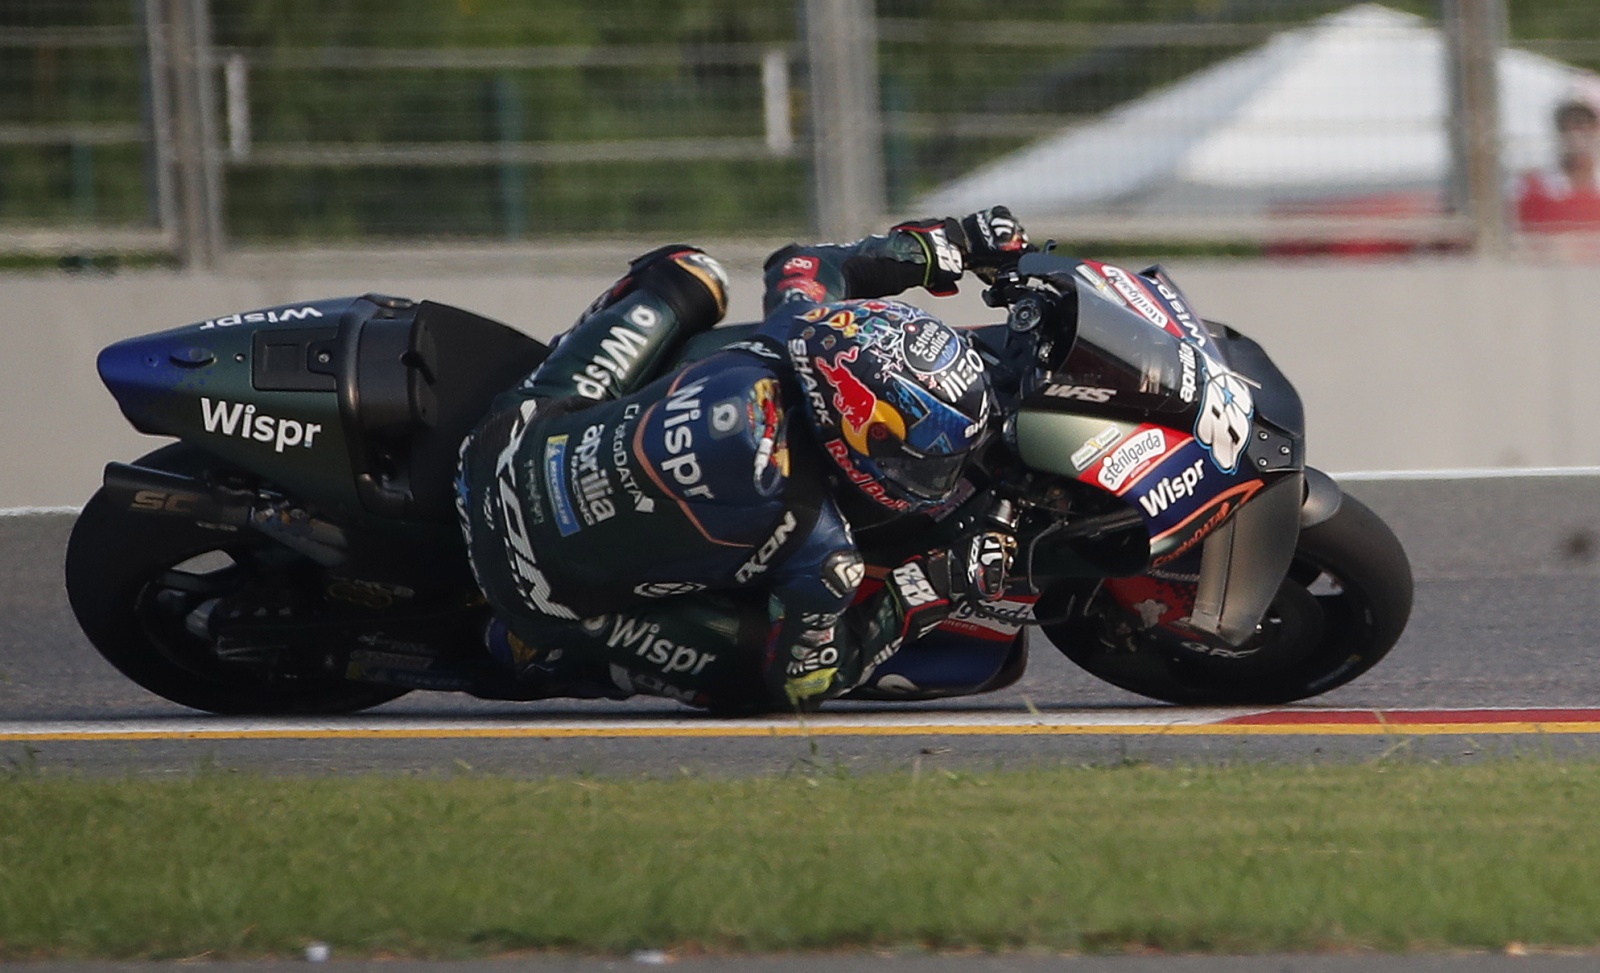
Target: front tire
{"points": [[1341, 609], [133, 579]]}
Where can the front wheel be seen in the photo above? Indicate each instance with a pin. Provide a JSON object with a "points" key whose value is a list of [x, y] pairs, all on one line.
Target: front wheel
{"points": [[136, 579], [1343, 606]]}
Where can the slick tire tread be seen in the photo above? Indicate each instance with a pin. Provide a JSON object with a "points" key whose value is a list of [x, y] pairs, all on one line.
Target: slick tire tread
{"points": [[1362, 624], [112, 557]]}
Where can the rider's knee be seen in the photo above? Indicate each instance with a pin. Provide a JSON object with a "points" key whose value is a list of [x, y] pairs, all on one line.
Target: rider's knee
{"points": [[692, 284]]}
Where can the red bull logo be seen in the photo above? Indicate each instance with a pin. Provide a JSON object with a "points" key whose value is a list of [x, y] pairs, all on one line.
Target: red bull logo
{"points": [[857, 406], [854, 400]]}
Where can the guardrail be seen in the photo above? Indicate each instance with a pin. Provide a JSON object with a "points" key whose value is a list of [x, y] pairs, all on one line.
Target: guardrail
{"points": [[163, 125]]}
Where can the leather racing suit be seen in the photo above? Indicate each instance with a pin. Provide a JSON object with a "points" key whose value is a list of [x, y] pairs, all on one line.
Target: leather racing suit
{"points": [[679, 536]]}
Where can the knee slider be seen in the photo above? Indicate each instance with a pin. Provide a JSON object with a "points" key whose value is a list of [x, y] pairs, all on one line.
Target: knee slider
{"points": [[689, 280]]}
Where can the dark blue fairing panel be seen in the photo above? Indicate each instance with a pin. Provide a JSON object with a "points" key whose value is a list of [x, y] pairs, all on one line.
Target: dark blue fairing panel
{"points": [[355, 402], [943, 664], [158, 378], [201, 383], [1277, 401]]}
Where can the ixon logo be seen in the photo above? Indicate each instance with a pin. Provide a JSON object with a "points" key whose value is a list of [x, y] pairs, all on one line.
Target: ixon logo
{"points": [[241, 419]]}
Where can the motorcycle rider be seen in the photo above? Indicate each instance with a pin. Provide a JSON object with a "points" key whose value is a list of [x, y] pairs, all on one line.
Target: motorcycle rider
{"points": [[687, 536]]}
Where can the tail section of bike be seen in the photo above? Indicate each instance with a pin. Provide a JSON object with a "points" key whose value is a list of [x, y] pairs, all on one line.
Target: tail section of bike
{"points": [[354, 404], [297, 549]]}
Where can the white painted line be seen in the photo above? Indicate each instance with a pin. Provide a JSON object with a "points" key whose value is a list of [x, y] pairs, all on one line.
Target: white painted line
{"points": [[178, 727], [1536, 472], [1146, 721], [37, 511], [1356, 476]]}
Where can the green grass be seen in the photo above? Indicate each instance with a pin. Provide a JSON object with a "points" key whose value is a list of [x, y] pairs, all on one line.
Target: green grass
{"points": [[1255, 858]]}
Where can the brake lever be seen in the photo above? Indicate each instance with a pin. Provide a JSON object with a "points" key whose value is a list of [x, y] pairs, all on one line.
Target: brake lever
{"points": [[1003, 289]]}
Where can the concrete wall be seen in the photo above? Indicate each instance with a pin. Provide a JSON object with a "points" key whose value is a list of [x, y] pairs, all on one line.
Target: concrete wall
{"points": [[1427, 365]]}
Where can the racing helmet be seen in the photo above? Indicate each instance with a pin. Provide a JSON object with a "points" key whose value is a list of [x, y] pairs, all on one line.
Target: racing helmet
{"points": [[899, 400]]}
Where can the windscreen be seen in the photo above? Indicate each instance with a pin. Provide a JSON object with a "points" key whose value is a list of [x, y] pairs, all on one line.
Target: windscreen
{"points": [[1120, 349]]}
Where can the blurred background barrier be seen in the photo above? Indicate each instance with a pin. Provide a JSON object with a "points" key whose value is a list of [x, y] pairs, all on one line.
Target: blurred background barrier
{"points": [[1400, 199], [192, 129], [1430, 364]]}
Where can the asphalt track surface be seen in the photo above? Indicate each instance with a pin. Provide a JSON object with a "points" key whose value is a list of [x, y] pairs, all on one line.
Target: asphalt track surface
{"points": [[1500, 658]]}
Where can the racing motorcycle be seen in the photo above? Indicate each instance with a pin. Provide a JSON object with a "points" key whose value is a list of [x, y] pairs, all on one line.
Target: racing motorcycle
{"points": [[297, 549]]}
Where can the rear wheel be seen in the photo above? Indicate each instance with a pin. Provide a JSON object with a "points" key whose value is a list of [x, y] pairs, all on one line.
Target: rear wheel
{"points": [[139, 584], [1341, 609]]}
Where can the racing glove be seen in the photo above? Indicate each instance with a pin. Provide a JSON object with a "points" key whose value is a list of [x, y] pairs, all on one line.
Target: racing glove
{"points": [[927, 588], [920, 592], [943, 246], [994, 240], [985, 561]]}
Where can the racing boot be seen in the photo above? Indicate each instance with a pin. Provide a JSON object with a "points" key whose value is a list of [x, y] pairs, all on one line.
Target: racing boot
{"points": [[523, 672], [701, 651], [626, 336]]}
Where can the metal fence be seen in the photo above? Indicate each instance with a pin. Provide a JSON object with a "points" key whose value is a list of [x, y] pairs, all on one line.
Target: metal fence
{"points": [[199, 126]]}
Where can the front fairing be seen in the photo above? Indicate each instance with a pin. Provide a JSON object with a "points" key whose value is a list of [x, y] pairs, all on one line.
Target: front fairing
{"points": [[1188, 424]]}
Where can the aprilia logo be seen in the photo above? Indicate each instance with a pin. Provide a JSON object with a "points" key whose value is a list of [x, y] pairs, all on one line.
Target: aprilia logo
{"points": [[592, 484], [1188, 383]]}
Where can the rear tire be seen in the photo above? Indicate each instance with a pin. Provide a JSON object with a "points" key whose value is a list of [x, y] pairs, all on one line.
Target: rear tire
{"points": [[133, 578], [1343, 607]]}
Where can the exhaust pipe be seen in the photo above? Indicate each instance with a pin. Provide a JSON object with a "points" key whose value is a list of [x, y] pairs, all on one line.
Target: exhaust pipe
{"points": [[144, 490]]}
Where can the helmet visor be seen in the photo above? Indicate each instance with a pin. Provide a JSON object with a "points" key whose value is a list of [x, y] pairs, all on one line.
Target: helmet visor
{"points": [[927, 477]]}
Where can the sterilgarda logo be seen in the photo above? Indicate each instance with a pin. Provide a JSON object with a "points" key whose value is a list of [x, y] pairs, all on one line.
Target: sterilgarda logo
{"points": [[1136, 295], [245, 421], [1137, 454]]}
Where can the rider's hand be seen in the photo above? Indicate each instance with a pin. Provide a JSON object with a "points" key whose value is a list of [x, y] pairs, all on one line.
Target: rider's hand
{"points": [[995, 239], [920, 589], [927, 588], [980, 566], [942, 247]]}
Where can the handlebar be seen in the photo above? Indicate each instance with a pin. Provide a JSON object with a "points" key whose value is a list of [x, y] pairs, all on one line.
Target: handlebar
{"points": [[1039, 293]]}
